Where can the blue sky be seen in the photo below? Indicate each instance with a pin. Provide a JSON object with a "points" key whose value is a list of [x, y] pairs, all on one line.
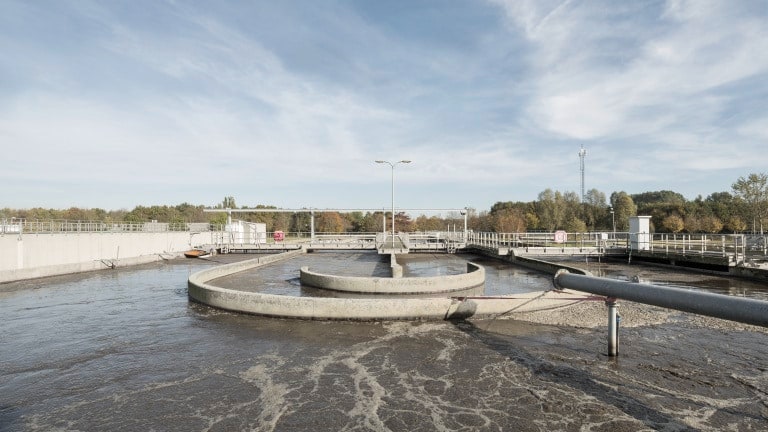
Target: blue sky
{"points": [[114, 104]]}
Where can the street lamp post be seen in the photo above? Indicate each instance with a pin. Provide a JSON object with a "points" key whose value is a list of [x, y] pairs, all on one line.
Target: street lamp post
{"points": [[392, 165], [613, 220]]}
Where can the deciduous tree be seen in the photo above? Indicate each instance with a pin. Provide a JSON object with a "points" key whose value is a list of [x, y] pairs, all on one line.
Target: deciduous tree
{"points": [[673, 223], [753, 189], [624, 207], [509, 221]]}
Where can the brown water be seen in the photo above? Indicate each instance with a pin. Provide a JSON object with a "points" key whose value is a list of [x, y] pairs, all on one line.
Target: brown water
{"points": [[282, 278], [126, 350]]}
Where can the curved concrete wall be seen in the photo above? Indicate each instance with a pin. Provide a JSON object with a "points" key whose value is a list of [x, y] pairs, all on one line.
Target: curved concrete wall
{"points": [[532, 263], [474, 276], [324, 308]]}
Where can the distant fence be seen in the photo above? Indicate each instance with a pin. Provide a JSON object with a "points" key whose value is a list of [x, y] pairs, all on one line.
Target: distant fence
{"points": [[703, 244], [548, 239], [23, 226], [740, 245]]}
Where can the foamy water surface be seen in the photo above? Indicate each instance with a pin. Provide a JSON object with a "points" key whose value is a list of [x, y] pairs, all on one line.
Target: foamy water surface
{"points": [[126, 350]]}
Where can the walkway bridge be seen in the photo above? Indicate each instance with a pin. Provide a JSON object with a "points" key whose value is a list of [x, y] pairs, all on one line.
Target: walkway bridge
{"points": [[722, 250], [707, 250], [436, 241], [384, 243]]}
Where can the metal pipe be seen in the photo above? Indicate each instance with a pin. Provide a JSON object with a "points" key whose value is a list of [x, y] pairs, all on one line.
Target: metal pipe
{"points": [[739, 309], [613, 327]]}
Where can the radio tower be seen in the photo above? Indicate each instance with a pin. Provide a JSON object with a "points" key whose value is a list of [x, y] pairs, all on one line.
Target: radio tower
{"points": [[582, 155]]}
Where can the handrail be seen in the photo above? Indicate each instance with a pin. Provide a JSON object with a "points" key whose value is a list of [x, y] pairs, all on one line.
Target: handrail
{"points": [[59, 226], [700, 244]]}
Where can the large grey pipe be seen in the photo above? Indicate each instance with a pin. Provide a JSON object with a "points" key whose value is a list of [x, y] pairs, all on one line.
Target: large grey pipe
{"points": [[739, 309]]}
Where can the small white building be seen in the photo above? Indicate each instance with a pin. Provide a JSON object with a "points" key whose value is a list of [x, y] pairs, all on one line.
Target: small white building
{"points": [[10, 228], [640, 233], [247, 232]]}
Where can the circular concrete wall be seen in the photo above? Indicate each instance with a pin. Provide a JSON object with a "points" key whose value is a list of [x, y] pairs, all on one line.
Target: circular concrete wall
{"points": [[324, 308], [474, 276]]}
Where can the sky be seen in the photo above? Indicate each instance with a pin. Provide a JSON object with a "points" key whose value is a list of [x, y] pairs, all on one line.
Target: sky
{"points": [[114, 104]]}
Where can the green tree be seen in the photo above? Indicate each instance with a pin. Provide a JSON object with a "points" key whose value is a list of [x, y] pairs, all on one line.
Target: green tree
{"points": [[660, 204], [281, 221], [424, 223], [371, 222], [479, 221], [753, 189], [509, 220], [711, 224], [573, 210], [575, 225], [594, 209], [532, 220], [403, 222], [652, 198], [693, 223], [735, 224], [353, 220], [228, 202], [329, 222], [550, 208], [673, 223], [624, 208], [300, 222], [724, 206]]}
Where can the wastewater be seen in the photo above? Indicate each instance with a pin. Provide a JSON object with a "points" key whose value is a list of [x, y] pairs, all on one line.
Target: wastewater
{"points": [[125, 350]]}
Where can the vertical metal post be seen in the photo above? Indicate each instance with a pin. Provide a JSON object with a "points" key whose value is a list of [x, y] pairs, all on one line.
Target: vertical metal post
{"points": [[465, 224], [613, 327], [393, 206], [392, 165], [312, 225]]}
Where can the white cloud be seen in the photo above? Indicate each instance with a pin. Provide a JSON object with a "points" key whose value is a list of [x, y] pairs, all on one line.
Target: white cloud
{"points": [[656, 92], [703, 48]]}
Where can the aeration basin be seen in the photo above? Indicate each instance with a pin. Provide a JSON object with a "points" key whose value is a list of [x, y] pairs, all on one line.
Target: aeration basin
{"points": [[380, 307]]}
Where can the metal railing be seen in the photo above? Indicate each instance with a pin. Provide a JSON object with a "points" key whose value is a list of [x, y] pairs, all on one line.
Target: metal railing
{"points": [[223, 237], [24, 226], [548, 239], [738, 245], [715, 245], [660, 243]]}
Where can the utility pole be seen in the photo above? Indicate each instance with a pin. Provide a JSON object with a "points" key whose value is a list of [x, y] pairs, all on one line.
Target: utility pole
{"points": [[582, 155], [392, 165]]}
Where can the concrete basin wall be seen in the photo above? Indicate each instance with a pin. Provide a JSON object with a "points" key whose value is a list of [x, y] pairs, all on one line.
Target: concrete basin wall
{"points": [[395, 268], [324, 308], [412, 285], [31, 255], [532, 263]]}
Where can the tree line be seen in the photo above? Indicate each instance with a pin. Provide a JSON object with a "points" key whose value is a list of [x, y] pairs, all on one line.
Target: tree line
{"points": [[742, 209]]}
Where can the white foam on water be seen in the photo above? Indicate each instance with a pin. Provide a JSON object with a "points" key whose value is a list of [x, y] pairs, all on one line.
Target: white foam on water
{"points": [[272, 394]]}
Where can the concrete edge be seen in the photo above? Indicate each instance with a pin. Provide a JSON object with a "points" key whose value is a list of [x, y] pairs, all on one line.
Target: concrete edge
{"points": [[474, 276], [8, 276], [532, 263], [324, 308]]}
